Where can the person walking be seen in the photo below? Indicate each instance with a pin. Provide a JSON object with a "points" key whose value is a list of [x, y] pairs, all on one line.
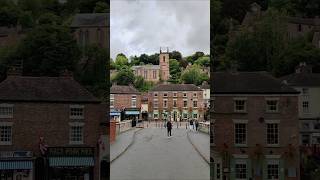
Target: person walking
{"points": [[197, 125], [191, 124], [169, 127]]}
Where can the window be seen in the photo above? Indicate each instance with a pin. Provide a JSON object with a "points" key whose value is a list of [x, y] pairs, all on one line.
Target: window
{"points": [[184, 94], [241, 170], [76, 112], [76, 134], [134, 101], [305, 106], [6, 110], [174, 103], [154, 74], [195, 115], [111, 100], [240, 133], [195, 104], [273, 171], [194, 94], [272, 105], [272, 134], [185, 103], [145, 74], [155, 94], [5, 133], [165, 103], [155, 116], [164, 59], [240, 105], [185, 115], [86, 38], [155, 103], [175, 94], [305, 126], [165, 94]]}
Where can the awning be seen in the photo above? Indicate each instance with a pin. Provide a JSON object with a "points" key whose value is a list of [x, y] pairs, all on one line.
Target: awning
{"points": [[70, 161], [17, 165], [132, 112], [115, 113]]}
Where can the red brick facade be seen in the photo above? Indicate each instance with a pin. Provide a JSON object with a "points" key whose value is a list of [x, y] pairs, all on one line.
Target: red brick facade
{"points": [[125, 101]]}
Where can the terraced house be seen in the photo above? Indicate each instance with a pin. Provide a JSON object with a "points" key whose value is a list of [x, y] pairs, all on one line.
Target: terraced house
{"points": [[176, 102], [255, 127], [49, 129]]}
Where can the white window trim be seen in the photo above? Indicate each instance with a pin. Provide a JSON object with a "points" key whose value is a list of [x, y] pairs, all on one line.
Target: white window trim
{"points": [[184, 93], [76, 106], [6, 105], [266, 131], [11, 125], [234, 130], [76, 124], [272, 99], [175, 93], [245, 105], [165, 93], [243, 121], [166, 103]]}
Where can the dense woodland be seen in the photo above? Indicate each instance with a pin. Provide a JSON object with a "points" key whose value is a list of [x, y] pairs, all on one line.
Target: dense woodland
{"points": [[48, 47], [187, 70], [265, 48]]}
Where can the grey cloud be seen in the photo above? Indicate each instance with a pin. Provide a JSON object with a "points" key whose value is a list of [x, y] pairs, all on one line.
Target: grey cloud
{"points": [[142, 26]]}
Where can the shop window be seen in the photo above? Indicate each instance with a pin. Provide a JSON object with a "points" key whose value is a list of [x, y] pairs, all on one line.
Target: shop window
{"points": [[273, 171], [5, 133], [272, 134], [240, 133], [185, 115], [240, 105], [155, 116], [76, 112], [195, 116], [6, 110], [241, 170], [76, 134], [272, 106]]}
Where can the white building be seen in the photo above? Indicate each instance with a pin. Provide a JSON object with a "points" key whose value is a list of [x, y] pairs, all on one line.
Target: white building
{"points": [[308, 84]]}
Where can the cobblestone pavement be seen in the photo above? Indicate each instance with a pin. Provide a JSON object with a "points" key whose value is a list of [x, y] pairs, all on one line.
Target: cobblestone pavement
{"points": [[154, 156]]}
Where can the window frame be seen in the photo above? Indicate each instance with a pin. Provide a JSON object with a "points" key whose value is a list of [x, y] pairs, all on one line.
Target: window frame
{"points": [[10, 136], [8, 106], [240, 122], [235, 100], [277, 123], [71, 132], [76, 106]]}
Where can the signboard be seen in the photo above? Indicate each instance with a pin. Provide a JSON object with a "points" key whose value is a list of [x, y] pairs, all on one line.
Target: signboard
{"points": [[15, 154], [70, 151]]}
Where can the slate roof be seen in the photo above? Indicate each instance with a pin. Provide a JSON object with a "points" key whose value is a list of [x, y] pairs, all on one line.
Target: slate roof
{"points": [[248, 83], [119, 89], [44, 89], [90, 20], [302, 79], [176, 87]]}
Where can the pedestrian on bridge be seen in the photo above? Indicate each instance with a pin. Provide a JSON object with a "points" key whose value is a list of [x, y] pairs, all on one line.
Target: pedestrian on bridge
{"points": [[197, 125], [191, 124], [169, 127]]}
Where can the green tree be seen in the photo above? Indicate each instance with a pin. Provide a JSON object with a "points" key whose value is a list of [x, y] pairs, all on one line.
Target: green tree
{"points": [[203, 61], [125, 76], [175, 70], [46, 51], [175, 55], [194, 75], [121, 60]]}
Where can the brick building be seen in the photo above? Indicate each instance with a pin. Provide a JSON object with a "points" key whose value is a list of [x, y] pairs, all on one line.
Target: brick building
{"points": [[49, 129], [308, 83], [155, 73], [255, 127], [91, 28], [176, 102], [125, 102]]}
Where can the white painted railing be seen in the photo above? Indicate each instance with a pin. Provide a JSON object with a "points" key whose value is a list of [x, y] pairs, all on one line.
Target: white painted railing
{"points": [[204, 127], [123, 126]]}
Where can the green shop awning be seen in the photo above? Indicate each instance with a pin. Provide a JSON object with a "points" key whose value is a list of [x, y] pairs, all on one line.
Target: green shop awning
{"points": [[70, 161], [17, 165]]}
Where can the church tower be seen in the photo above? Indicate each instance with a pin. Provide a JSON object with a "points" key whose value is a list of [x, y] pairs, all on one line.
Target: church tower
{"points": [[164, 65]]}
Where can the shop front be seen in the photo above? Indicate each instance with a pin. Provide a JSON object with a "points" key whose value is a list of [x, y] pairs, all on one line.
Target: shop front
{"points": [[71, 163], [16, 165], [115, 115], [132, 114]]}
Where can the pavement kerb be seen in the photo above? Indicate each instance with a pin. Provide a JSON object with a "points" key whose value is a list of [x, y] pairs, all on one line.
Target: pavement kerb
{"points": [[199, 152], [132, 141]]}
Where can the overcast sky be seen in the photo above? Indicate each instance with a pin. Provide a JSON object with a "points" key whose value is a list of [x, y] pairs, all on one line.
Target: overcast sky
{"points": [[142, 26]]}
